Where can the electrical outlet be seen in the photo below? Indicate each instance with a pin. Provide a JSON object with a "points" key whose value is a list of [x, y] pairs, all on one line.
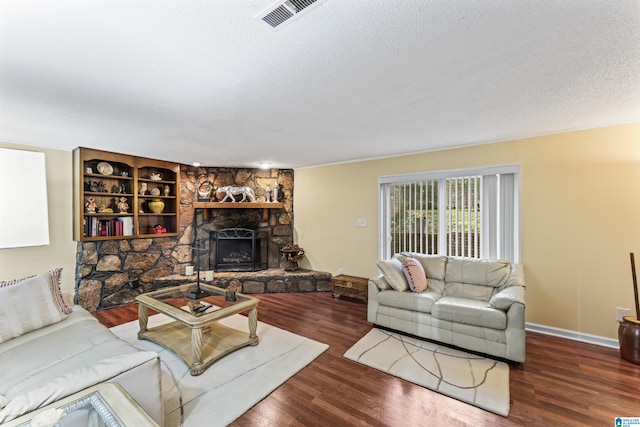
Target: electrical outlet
{"points": [[622, 312], [340, 270], [361, 222]]}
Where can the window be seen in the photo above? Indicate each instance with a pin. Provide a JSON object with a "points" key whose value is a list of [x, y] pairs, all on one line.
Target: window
{"points": [[471, 213]]}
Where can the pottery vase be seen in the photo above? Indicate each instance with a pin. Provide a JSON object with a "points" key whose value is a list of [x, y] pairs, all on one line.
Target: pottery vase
{"points": [[156, 206], [629, 339]]}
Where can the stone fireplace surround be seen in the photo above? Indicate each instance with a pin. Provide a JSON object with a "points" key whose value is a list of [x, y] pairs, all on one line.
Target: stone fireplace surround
{"points": [[113, 272]]}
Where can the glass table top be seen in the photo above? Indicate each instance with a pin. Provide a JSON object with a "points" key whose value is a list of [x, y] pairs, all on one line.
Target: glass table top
{"points": [[102, 405], [208, 300]]}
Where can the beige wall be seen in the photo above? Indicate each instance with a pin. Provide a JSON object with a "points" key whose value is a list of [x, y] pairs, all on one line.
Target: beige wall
{"points": [[61, 251], [580, 218]]}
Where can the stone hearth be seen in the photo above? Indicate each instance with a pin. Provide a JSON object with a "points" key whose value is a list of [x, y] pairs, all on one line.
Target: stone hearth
{"points": [[273, 280]]}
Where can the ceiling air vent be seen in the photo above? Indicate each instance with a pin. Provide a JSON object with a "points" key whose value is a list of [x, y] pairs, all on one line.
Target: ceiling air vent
{"points": [[282, 11]]}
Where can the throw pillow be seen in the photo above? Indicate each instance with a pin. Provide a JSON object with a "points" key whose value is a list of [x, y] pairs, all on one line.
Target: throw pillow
{"points": [[392, 271], [30, 304], [414, 272], [54, 284]]}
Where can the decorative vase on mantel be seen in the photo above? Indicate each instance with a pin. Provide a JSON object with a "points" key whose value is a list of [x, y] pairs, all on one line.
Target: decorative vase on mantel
{"points": [[156, 206]]}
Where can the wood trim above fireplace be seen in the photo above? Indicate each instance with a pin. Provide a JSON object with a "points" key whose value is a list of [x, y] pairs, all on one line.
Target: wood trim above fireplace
{"points": [[239, 205]]}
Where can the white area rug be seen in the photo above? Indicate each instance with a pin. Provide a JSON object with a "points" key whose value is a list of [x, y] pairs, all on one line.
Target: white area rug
{"points": [[233, 384], [477, 380]]}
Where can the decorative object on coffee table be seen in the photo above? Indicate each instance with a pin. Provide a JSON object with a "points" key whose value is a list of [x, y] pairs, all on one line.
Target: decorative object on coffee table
{"points": [[292, 253], [48, 418], [629, 328], [349, 286], [197, 292]]}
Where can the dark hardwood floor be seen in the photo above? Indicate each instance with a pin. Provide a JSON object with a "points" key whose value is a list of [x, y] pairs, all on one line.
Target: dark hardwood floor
{"points": [[562, 382]]}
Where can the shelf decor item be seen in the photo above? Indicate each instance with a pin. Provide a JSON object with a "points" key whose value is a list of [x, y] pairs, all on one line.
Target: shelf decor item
{"points": [[105, 168], [156, 206], [123, 206], [91, 205], [159, 229]]}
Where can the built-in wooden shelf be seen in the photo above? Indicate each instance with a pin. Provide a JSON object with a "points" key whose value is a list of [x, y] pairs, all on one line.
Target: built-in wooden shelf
{"points": [[108, 179], [265, 206]]}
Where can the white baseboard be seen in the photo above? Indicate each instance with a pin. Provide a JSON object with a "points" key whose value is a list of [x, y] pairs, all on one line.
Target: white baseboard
{"points": [[572, 335]]}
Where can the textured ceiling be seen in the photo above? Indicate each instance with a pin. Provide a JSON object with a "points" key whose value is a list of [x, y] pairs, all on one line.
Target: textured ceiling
{"points": [[206, 81]]}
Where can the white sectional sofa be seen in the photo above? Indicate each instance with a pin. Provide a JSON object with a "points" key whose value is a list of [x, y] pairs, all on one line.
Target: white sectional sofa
{"points": [[470, 303], [48, 354]]}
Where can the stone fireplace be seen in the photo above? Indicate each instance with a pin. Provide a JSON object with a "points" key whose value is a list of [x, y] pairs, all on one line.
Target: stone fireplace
{"points": [[272, 228], [113, 272]]}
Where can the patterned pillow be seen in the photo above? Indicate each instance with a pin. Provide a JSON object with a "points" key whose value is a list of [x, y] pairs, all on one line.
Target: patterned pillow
{"points": [[54, 284], [392, 272], [31, 303], [414, 272]]}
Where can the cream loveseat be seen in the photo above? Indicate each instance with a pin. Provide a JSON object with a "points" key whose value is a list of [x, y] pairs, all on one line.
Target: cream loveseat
{"points": [[470, 303], [49, 351]]}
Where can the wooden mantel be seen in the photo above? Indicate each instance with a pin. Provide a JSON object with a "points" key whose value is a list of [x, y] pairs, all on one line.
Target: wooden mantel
{"points": [[238, 205], [265, 206]]}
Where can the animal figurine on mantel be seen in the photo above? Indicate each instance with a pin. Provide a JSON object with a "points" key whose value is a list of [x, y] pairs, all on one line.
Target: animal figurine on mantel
{"points": [[231, 191]]}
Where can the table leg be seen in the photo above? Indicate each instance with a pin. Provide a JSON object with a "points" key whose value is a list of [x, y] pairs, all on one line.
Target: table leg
{"points": [[143, 318], [253, 326], [196, 349]]}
